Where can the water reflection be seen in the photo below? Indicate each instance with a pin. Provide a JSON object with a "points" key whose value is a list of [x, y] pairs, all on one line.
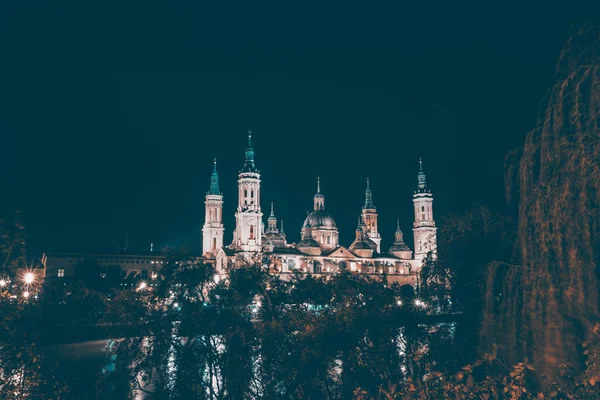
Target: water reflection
{"points": [[419, 348]]}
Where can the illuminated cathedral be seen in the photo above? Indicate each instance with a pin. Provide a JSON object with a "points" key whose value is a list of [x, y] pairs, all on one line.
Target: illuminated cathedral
{"points": [[319, 251]]}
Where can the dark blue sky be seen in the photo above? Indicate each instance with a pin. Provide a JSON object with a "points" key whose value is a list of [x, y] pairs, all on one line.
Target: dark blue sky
{"points": [[110, 115]]}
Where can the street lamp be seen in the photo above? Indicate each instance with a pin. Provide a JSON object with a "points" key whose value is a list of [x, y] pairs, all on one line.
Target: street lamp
{"points": [[2, 282], [143, 285]]}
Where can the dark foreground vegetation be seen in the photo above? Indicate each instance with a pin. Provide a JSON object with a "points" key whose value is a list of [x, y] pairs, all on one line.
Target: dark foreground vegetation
{"points": [[527, 281]]}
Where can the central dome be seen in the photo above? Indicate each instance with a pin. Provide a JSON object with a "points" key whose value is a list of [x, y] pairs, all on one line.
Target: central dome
{"points": [[319, 219]]}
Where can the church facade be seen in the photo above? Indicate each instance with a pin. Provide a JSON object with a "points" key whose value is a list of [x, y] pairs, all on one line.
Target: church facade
{"points": [[319, 252]]}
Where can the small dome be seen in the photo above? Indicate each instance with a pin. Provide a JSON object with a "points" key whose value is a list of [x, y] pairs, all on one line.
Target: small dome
{"points": [[360, 245], [274, 236], [308, 242], [371, 243], [319, 219], [399, 247]]}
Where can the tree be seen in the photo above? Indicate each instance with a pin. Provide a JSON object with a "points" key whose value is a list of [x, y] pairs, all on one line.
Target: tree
{"points": [[546, 308]]}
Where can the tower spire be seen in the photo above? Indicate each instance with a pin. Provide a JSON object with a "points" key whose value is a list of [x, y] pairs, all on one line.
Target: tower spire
{"points": [[422, 187], [249, 163], [214, 180], [368, 197], [272, 221], [319, 199]]}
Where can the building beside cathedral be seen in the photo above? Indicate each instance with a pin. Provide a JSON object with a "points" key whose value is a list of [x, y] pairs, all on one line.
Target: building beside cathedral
{"points": [[319, 251]]}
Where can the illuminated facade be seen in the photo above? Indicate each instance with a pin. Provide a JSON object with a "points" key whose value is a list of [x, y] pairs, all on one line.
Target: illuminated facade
{"points": [[319, 251], [212, 232]]}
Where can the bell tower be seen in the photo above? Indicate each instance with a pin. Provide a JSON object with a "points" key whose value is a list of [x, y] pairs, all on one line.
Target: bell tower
{"points": [[212, 232], [424, 226], [248, 226], [369, 216]]}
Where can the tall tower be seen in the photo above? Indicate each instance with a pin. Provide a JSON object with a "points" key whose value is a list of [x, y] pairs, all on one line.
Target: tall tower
{"points": [[424, 226], [212, 232], [248, 218], [369, 216]]}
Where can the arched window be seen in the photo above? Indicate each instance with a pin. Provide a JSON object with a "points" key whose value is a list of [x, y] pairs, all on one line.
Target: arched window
{"points": [[422, 208], [251, 232], [245, 192], [214, 243], [328, 239], [252, 193]]}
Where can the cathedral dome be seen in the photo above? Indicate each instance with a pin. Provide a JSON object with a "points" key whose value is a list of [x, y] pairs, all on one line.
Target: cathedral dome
{"points": [[319, 219]]}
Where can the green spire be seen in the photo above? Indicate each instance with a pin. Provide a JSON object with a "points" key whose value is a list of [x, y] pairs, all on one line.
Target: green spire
{"points": [[272, 216], [421, 177], [214, 181], [249, 163], [368, 197]]}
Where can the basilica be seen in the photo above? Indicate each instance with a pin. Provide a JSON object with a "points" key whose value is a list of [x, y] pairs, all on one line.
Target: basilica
{"points": [[319, 251]]}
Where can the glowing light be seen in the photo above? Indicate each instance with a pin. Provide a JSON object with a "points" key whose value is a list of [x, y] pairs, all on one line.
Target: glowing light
{"points": [[399, 302], [420, 303], [216, 278], [2, 283], [258, 304], [143, 285], [26, 294], [28, 278], [175, 305]]}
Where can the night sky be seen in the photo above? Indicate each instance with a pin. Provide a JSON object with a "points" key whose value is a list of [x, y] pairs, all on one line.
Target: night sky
{"points": [[110, 115]]}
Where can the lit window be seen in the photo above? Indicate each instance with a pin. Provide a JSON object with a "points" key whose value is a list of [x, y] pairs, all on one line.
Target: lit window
{"points": [[61, 272]]}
